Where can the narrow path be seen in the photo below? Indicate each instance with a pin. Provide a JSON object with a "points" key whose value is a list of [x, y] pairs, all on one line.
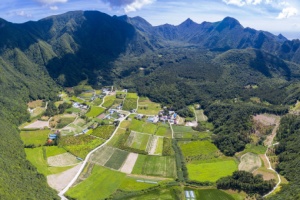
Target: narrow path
{"points": [[61, 194], [171, 130], [195, 114], [269, 143]]}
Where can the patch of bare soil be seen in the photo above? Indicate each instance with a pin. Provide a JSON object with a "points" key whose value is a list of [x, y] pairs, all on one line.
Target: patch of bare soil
{"points": [[60, 181], [38, 124], [129, 163], [65, 159]]}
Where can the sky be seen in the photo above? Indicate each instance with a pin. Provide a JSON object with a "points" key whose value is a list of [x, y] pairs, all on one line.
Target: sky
{"points": [[275, 16]]}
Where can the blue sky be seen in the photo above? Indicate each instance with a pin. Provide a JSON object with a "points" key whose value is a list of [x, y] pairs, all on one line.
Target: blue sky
{"points": [[276, 16]]}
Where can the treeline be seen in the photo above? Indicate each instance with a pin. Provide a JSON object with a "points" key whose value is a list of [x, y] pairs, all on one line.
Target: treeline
{"points": [[232, 123], [247, 182], [288, 152]]}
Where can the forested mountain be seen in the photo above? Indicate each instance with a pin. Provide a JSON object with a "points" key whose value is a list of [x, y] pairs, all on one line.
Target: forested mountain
{"points": [[220, 65]]}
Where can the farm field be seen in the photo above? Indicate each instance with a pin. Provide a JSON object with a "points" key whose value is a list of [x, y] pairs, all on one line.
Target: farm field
{"points": [[142, 127], [65, 159], [249, 162], [35, 104], [95, 111], [80, 145], [38, 158], [188, 133], [37, 138], [36, 112], [102, 155], [147, 107], [205, 149], [103, 131], [137, 140], [108, 180], [164, 131], [54, 150], [64, 121], [211, 171], [109, 101], [129, 104], [155, 166], [133, 184], [200, 115], [117, 159], [209, 194], [159, 146]]}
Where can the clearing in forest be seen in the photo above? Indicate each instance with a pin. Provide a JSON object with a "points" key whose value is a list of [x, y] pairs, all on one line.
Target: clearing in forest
{"points": [[37, 138], [249, 162]]}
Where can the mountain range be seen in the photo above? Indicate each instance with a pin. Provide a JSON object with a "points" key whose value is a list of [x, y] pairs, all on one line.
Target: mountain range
{"points": [[174, 65]]}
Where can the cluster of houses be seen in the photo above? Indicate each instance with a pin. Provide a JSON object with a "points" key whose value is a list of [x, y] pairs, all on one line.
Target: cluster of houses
{"points": [[79, 105], [169, 116]]}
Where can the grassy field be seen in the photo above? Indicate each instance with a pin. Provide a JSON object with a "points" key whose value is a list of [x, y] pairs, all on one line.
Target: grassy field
{"points": [[155, 166], [54, 151], [109, 101], [209, 194], [99, 185], [95, 111], [138, 140], [131, 95], [160, 194], [131, 184], [142, 127], [250, 162], [37, 111], [159, 146], [38, 157], [130, 104], [35, 104], [189, 133], [36, 138], [257, 149], [212, 171], [198, 147], [103, 131], [148, 107], [200, 115], [80, 145], [117, 159], [64, 121], [97, 101], [164, 131]]}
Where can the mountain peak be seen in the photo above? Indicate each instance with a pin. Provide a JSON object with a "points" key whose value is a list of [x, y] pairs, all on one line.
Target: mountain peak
{"points": [[187, 23], [230, 21]]}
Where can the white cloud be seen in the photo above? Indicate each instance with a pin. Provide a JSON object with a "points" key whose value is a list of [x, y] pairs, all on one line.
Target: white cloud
{"points": [[52, 1], [22, 13], [136, 5], [235, 2], [53, 8], [287, 13]]}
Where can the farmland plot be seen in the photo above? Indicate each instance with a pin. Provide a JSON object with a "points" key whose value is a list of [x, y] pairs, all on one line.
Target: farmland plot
{"points": [[138, 140], [117, 159], [95, 111], [102, 155], [104, 131], [129, 163], [36, 138], [65, 159], [250, 162], [155, 166]]}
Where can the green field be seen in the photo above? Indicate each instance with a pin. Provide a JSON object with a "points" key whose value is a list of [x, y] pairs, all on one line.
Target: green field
{"points": [[54, 151], [164, 131], [95, 111], [188, 132], [38, 157], [138, 140], [99, 185], [198, 147], [37, 138], [130, 104], [212, 194], [211, 171], [131, 184], [64, 121], [200, 115], [80, 145], [258, 149], [109, 101], [148, 107], [155, 166], [97, 101], [103, 131], [117, 159], [142, 127], [131, 95], [159, 146]]}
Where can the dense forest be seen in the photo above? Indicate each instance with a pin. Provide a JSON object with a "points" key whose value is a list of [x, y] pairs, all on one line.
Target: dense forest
{"points": [[288, 152], [231, 71]]}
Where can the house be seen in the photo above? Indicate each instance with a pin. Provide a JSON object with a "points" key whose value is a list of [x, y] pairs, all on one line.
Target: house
{"points": [[52, 136], [139, 116], [76, 105], [85, 131], [153, 119]]}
